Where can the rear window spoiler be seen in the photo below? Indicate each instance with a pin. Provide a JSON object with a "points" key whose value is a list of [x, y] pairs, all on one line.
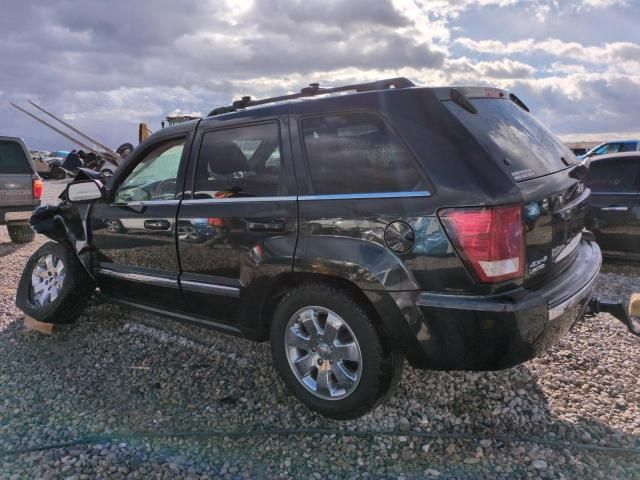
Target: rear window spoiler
{"points": [[461, 96]]}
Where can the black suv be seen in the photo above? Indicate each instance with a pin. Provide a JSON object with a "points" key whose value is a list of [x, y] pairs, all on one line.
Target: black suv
{"points": [[352, 227]]}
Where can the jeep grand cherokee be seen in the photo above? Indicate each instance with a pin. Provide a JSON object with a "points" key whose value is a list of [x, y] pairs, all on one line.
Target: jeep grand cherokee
{"points": [[352, 227]]}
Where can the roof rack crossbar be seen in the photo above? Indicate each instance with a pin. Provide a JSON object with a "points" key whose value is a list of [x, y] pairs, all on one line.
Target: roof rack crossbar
{"points": [[314, 89]]}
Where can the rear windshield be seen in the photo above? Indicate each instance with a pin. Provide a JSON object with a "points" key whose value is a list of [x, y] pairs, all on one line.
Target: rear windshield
{"points": [[522, 146], [13, 158]]}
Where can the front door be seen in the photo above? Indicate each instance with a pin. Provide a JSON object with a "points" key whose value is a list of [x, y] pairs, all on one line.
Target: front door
{"points": [[239, 229], [134, 232], [614, 210]]}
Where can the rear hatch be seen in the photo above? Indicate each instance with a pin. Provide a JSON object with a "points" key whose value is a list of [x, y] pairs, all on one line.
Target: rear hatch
{"points": [[16, 175], [545, 171]]}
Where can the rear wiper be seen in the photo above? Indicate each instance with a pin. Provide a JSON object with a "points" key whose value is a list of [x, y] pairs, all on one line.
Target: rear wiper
{"points": [[518, 102]]}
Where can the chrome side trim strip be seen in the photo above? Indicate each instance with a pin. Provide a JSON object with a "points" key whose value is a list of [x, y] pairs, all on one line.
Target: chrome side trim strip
{"points": [[214, 201], [210, 288], [579, 296], [139, 277], [633, 194], [356, 196], [305, 198], [149, 203]]}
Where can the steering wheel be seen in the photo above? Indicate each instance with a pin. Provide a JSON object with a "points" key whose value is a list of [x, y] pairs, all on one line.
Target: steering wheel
{"points": [[165, 188]]}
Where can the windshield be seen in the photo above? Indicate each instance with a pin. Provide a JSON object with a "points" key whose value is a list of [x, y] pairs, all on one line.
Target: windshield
{"points": [[600, 150], [522, 146]]}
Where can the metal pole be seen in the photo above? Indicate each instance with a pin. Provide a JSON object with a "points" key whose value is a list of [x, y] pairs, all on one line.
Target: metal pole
{"points": [[71, 127], [68, 137]]}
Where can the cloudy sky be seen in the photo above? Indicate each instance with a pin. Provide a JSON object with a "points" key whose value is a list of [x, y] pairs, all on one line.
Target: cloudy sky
{"points": [[107, 65]]}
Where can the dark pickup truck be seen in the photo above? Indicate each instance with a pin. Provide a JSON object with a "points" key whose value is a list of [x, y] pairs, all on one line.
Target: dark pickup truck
{"points": [[20, 189]]}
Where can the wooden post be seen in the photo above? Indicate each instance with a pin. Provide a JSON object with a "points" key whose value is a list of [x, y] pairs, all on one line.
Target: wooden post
{"points": [[33, 324]]}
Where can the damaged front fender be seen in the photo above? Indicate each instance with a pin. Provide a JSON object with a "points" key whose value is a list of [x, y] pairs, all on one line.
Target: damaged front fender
{"points": [[66, 223]]}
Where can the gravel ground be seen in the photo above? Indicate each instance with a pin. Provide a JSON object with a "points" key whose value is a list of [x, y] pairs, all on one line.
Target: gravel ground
{"points": [[119, 372]]}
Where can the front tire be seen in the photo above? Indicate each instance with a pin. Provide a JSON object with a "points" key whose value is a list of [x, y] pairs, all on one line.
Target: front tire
{"points": [[21, 233], [54, 287], [329, 354]]}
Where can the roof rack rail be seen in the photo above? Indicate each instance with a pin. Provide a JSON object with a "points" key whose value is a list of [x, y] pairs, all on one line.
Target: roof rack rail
{"points": [[314, 89]]}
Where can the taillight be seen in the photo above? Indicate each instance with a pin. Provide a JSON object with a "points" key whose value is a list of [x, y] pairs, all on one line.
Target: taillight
{"points": [[490, 240], [37, 188]]}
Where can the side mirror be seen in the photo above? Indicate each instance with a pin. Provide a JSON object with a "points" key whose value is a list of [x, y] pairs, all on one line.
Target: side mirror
{"points": [[85, 192]]}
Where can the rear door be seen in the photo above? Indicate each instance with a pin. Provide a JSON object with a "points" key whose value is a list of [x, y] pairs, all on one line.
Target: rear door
{"points": [[366, 199], [614, 214], [16, 175], [134, 232], [240, 228]]}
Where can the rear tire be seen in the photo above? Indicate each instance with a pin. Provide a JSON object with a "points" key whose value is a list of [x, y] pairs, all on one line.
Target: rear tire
{"points": [[340, 375], [21, 233], [54, 286]]}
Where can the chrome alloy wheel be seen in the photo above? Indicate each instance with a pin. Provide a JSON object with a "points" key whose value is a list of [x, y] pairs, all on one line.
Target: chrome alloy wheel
{"points": [[46, 280], [323, 353]]}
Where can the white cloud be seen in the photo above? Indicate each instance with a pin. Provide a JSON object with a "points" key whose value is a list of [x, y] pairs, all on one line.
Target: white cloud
{"points": [[112, 64], [622, 56], [599, 4]]}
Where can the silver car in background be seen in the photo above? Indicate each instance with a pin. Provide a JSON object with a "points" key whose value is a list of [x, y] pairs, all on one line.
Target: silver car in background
{"points": [[20, 189]]}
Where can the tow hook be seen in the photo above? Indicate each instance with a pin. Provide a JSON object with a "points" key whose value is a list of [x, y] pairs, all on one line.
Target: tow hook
{"points": [[617, 309]]}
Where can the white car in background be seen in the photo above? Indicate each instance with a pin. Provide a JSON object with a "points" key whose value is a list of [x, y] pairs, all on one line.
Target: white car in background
{"points": [[618, 146]]}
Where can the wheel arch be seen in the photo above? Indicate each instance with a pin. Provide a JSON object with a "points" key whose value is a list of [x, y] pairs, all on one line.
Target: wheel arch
{"points": [[379, 305]]}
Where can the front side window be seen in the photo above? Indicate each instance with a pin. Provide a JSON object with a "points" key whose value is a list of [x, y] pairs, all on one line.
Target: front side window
{"points": [[614, 147], [615, 176], [356, 153], [240, 162], [155, 177]]}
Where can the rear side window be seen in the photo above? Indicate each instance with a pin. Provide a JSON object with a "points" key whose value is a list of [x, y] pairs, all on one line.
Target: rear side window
{"points": [[357, 153], [240, 162], [13, 158], [615, 176], [628, 147], [519, 143]]}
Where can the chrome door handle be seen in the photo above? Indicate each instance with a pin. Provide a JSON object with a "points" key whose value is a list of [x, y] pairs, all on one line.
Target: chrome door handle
{"points": [[157, 225], [266, 226], [615, 209]]}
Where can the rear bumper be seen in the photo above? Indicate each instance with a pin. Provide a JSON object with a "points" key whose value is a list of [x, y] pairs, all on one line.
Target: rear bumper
{"points": [[462, 332], [16, 214]]}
